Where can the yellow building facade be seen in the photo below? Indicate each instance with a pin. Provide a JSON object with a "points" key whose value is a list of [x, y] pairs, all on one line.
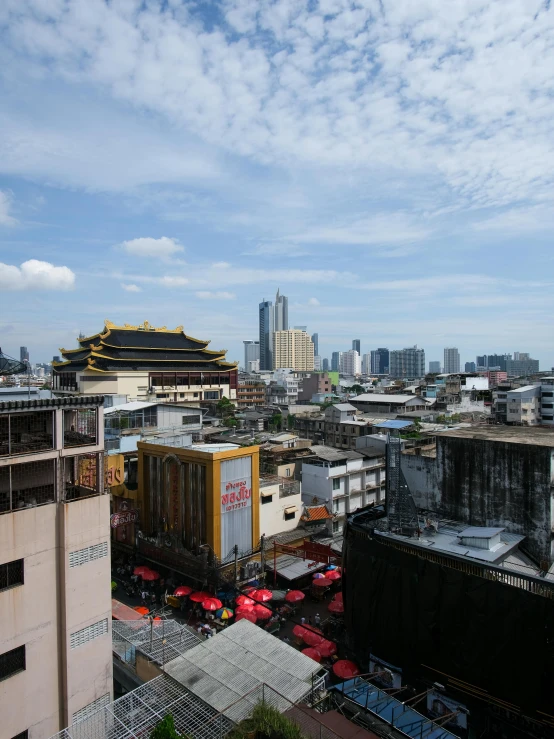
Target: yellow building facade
{"points": [[293, 349]]}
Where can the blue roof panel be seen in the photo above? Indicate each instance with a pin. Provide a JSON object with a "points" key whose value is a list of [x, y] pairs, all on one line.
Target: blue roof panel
{"points": [[393, 424]]}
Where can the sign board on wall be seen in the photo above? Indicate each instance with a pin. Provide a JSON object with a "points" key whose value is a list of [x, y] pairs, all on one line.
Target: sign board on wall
{"points": [[236, 505], [390, 677], [438, 705]]}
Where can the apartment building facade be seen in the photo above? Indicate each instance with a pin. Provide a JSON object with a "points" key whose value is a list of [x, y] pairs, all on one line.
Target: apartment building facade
{"points": [[251, 393], [409, 362], [293, 349], [55, 595]]}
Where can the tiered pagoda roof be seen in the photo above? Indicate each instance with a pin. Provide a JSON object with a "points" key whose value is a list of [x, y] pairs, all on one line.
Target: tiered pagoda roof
{"points": [[142, 349]]}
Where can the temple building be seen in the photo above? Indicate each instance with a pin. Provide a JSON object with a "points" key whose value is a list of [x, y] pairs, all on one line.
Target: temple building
{"points": [[146, 363]]}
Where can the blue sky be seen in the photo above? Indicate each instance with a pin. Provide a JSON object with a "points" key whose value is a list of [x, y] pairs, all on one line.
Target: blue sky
{"points": [[388, 164]]}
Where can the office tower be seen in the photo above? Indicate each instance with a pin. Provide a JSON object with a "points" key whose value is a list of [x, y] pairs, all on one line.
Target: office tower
{"points": [[266, 335], [23, 354], [350, 363], [470, 367], [55, 596], [481, 361], [335, 361], [281, 313], [325, 364], [366, 364], [522, 366], [251, 352], [292, 349], [356, 345], [315, 342], [498, 361], [409, 362], [434, 368], [380, 361], [317, 362], [451, 362], [55, 358]]}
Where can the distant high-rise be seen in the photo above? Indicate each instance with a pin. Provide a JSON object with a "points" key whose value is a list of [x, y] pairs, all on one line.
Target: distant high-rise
{"points": [[56, 358], [325, 364], [300, 328], [434, 368], [497, 361], [23, 354], [409, 362], [350, 363], [251, 352], [315, 342], [266, 335], [292, 349], [281, 313], [366, 364], [356, 345], [380, 361], [451, 362], [317, 361], [335, 361], [470, 367]]}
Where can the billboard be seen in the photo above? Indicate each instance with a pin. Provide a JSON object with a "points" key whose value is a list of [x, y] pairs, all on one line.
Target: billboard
{"points": [[236, 505], [390, 677], [438, 706]]}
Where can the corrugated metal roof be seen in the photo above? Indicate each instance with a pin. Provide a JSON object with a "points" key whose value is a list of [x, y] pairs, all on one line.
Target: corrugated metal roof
{"points": [[135, 405], [384, 398], [330, 454], [481, 532], [292, 568]]}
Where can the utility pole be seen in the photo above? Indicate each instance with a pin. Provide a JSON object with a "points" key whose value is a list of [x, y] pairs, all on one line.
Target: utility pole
{"points": [[262, 557], [236, 550]]}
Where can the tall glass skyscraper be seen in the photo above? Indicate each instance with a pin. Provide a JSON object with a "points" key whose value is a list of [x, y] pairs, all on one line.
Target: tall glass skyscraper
{"points": [[281, 313], [266, 334]]}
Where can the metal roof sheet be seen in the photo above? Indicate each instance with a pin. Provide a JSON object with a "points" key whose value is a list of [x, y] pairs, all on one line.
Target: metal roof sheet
{"points": [[481, 532], [293, 568], [393, 424]]}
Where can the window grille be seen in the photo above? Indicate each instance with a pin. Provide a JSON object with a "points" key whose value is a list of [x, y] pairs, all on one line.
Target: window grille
{"points": [[11, 574], [79, 427], [91, 708], [12, 662], [83, 636], [27, 485], [88, 554]]}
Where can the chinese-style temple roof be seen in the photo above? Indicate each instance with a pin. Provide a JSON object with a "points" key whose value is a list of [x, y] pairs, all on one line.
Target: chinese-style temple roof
{"points": [[142, 348]]}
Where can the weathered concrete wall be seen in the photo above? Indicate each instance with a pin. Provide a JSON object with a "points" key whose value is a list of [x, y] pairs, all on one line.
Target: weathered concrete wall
{"points": [[421, 476]]}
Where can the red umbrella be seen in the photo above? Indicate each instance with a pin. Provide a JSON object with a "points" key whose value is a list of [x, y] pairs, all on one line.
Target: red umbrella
{"points": [[294, 596], [246, 608], [338, 597], [140, 569], [312, 638], [244, 600], [200, 596], [211, 604], [261, 612], [248, 616], [336, 606], [312, 653], [299, 631], [327, 648], [141, 609], [345, 669], [150, 575], [333, 575], [322, 582], [262, 596], [182, 590]]}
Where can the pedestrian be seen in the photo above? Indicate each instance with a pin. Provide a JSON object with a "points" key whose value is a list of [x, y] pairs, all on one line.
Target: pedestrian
{"points": [[143, 595], [317, 619], [153, 599], [302, 621]]}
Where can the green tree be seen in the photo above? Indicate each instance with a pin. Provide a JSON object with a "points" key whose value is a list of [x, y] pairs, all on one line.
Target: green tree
{"points": [[224, 407], [276, 422], [165, 729], [230, 422], [291, 420]]}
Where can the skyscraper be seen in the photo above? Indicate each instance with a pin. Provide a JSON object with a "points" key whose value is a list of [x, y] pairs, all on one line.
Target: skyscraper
{"points": [[325, 364], [451, 362], [266, 335], [409, 362], [335, 361], [434, 368], [380, 361], [23, 354], [350, 363], [470, 367], [315, 342], [251, 352], [356, 345], [292, 349], [366, 364], [281, 313]]}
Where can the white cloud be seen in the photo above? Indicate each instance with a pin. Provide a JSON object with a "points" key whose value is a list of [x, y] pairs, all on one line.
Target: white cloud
{"points": [[313, 301], [36, 275], [381, 229], [162, 248], [219, 295], [5, 206], [172, 281], [279, 249], [131, 288]]}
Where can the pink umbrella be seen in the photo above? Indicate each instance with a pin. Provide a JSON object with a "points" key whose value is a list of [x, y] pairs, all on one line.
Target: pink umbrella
{"points": [[333, 575], [345, 669], [211, 604], [182, 590], [338, 597], [318, 575], [262, 596], [244, 600], [336, 606], [294, 596], [140, 569], [312, 653], [248, 616], [199, 596], [261, 612], [322, 582], [151, 575], [327, 648], [312, 638]]}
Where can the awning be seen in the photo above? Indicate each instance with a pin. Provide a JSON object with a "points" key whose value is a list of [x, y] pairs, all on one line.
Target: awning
{"points": [[291, 509], [267, 495]]}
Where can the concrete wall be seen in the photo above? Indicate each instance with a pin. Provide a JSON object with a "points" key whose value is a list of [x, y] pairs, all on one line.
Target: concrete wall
{"points": [[272, 515]]}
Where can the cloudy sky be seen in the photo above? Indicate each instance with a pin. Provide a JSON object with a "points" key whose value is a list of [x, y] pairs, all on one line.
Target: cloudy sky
{"points": [[388, 164]]}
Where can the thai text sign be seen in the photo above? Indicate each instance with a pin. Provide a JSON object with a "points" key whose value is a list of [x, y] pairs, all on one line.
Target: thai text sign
{"points": [[237, 495], [122, 518]]}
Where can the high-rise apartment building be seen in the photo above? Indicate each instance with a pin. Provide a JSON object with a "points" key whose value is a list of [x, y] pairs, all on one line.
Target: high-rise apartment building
{"points": [[266, 334], [380, 361], [481, 361], [293, 349], [409, 362], [317, 362], [335, 361], [55, 594], [366, 364], [281, 312], [451, 362], [356, 345], [470, 367], [350, 363], [325, 364], [251, 353], [434, 368], [23, 354], [315, 342]]}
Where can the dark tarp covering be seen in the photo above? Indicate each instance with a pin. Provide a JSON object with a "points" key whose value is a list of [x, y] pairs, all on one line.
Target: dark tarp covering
{"points": [[413, 612]]}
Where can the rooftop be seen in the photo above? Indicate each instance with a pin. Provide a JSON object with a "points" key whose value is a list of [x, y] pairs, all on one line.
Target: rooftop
{"points": [[344, 407], [393, 424], [385, 398], [525, 389], [330, 454], [533, 435], [315, 513]]}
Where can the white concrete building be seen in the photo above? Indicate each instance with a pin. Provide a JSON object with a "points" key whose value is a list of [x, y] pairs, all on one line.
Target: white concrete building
{"points": [[522, 405], [280, 505], [451, 362], [547, 401], [350, 363], [366, 364], [343, 481], [317, 363], [55, 595]]}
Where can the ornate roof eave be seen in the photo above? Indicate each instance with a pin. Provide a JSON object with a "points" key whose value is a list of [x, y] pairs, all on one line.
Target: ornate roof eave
{"points": [[73, 351], [98, 355], [220, 353], [146, 326]]}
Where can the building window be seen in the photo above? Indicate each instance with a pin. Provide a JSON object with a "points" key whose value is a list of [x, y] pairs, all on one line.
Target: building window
{"points": [[211, 395], [335, 527], [189, 420], [289, 515], [79, 427], [287, 471], [11, 574], [162, 395], [78, 638], [548, 405], [88, 554], [336, 483], [91, 708], [336, 506], [548, 418], [12, 662], [548, 395], [266, 499]]}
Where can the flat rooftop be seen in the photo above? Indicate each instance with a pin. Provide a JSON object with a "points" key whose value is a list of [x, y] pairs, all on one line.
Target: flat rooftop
{"points": [[534, 435]]}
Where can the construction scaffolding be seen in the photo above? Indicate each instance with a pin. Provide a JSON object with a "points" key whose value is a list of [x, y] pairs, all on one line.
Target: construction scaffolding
{"points": [[159, 641]]}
